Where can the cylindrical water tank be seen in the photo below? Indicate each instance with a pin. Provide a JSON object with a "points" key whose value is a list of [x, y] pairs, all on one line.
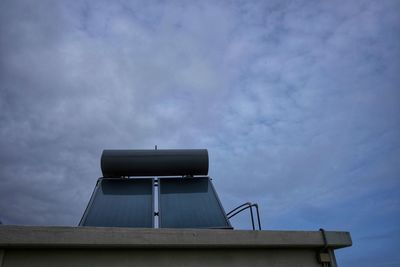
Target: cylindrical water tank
{"points": [[162, 162]]}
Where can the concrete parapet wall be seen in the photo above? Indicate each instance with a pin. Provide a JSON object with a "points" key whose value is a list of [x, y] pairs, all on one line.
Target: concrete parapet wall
{"points": [[98, 246]]}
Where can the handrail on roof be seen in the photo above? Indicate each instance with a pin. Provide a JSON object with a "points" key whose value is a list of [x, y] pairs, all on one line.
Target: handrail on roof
{"points": [[244, 206]]}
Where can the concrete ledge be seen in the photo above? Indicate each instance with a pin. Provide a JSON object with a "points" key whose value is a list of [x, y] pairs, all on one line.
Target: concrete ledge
{"points": [[104, 237]]}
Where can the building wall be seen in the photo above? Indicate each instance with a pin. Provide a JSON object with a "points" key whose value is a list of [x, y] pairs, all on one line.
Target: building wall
{"points": [[159, 257], [99, 246]]}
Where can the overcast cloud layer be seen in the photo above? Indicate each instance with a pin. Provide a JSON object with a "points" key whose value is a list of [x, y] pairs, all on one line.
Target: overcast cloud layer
{"points": [[296, 101]]}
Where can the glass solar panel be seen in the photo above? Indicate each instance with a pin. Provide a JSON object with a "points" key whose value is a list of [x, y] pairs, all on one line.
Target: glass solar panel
{"points": [[121, 203], [190, 203]]}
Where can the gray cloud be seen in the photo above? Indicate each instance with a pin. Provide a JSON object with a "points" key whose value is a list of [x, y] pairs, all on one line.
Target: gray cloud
{"points": [[296, 101]]}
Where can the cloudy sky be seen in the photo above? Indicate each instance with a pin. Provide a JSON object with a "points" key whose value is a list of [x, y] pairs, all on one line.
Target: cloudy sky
{"points": [[298, 103]]}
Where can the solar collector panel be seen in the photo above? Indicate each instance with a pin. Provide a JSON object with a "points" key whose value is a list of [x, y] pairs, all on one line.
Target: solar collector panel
{"points": [[190, 203], [121, 203]]}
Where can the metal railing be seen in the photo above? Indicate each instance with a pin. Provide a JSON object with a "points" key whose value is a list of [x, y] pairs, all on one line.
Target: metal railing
{"points": [[247, 205]]}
